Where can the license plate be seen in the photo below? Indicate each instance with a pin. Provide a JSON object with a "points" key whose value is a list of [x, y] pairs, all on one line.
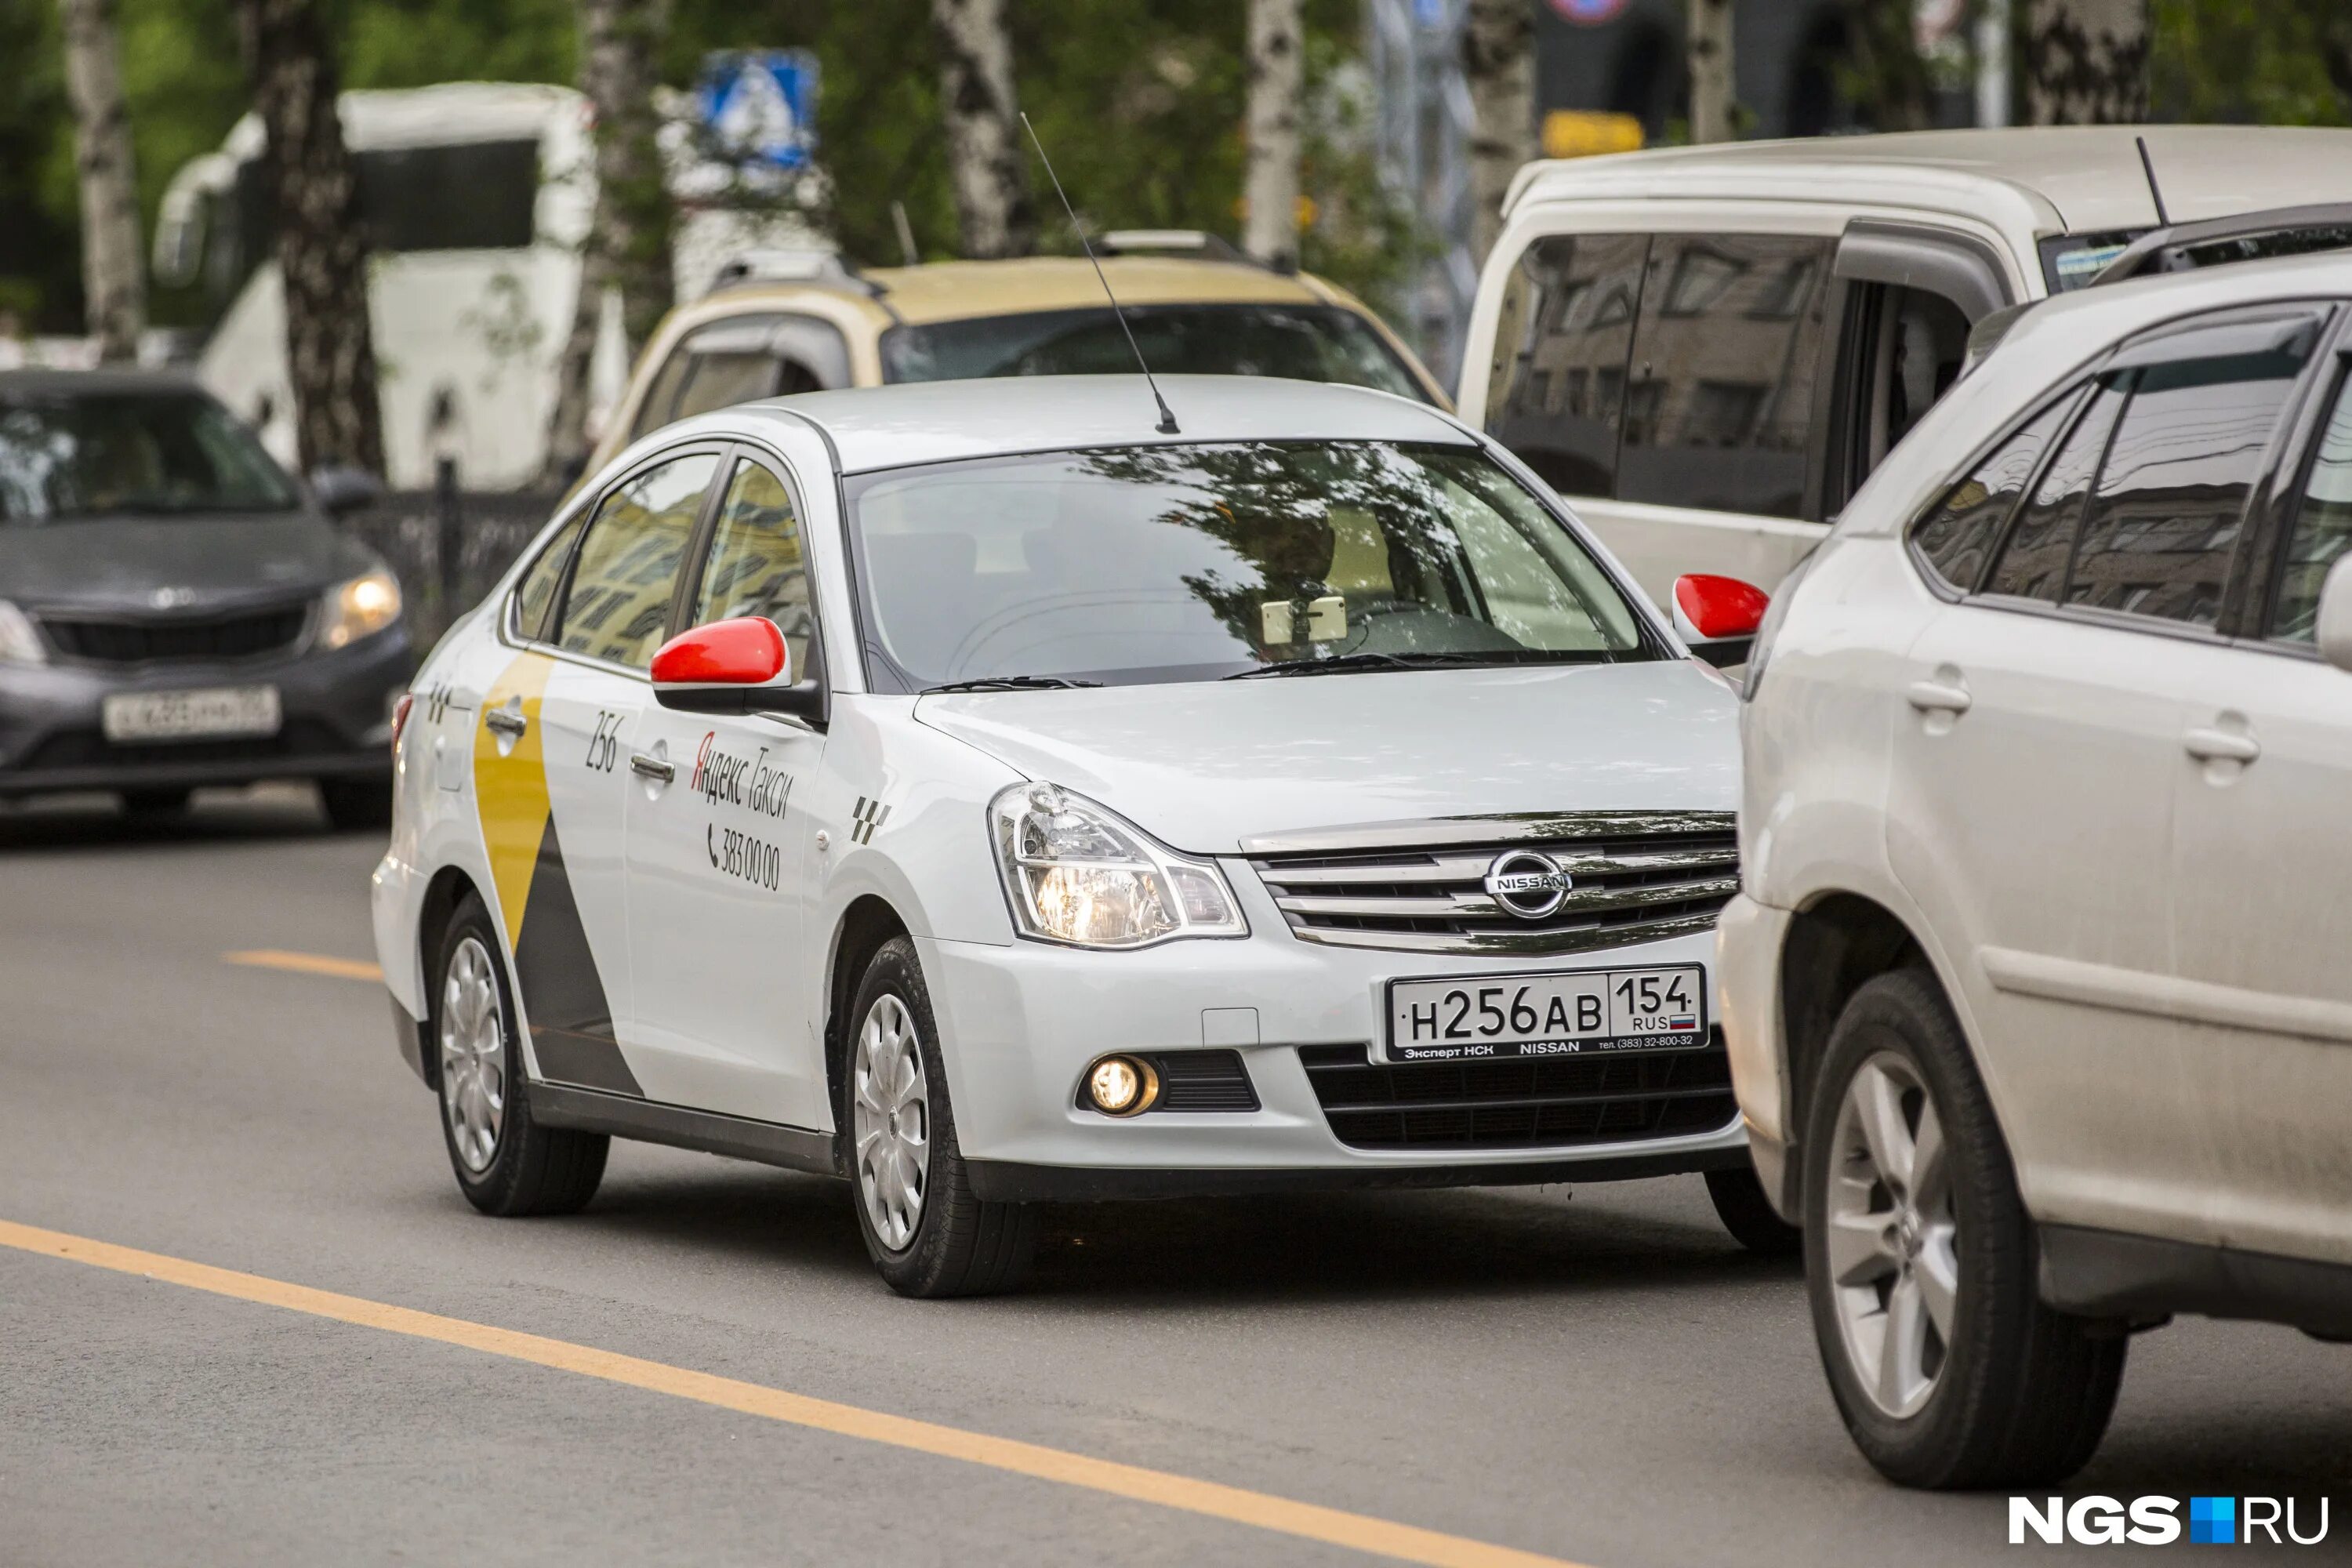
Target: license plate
{"points": [[203, 712], [1571, 1013]]}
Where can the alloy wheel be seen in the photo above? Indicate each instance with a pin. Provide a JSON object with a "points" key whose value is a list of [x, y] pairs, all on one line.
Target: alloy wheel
{"points": [[890, 1114], [1891, 1240], [473, 1054]]}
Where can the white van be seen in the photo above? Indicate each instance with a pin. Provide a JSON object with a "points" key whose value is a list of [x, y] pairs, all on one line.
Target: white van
{"points": [[1705, 350]]}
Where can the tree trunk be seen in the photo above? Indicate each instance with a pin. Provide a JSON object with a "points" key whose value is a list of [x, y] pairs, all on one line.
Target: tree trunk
{"points": [[628, 242], [321, 253], [113, 280], [1712, 94], [1498, 59], [987, 164], [1278, 79], [2086, 61]]}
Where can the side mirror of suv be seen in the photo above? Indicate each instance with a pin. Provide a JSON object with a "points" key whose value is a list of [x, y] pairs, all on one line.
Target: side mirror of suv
{"points": [[2335, 629], [739, 666], [1717, 616]]}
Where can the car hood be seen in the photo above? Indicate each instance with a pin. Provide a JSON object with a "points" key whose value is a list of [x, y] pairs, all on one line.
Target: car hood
{"points": [[124, 564], [1204, 766]]}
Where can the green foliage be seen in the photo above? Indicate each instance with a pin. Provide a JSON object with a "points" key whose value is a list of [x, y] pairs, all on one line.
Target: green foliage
{"points": [[2271, 62]]}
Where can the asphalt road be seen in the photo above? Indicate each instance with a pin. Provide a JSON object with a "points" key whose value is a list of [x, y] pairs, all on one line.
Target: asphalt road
{"points": [[1598, 1375]]}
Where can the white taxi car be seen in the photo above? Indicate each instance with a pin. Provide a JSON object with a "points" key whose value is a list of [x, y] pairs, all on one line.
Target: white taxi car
{"points": [[970, 790]]}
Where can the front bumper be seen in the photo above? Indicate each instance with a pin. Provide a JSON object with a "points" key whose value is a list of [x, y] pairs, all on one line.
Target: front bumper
{"points": [[335, 721], [1020, 1024]]}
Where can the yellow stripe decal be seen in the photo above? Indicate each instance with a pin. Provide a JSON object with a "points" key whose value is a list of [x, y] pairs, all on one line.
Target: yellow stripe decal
{"points": [[305, 963], [1213, 1499], [510, 788]]}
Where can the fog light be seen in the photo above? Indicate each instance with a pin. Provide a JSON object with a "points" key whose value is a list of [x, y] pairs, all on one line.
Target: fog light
{"points": [[1121, 1086]]}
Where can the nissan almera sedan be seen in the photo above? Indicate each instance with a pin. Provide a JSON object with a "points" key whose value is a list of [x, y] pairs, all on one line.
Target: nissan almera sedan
{"points": [[975, 792]]}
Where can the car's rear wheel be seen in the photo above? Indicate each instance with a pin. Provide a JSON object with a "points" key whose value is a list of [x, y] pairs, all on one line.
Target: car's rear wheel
{"points": [[1919, 1264], [356, 805], [929, 1233], [506, 1164], [1747, 1215]]}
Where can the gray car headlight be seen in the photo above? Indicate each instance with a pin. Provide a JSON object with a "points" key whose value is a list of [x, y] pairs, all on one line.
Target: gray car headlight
{"points": [[360, 608], [19, 643], [1078, 873]]}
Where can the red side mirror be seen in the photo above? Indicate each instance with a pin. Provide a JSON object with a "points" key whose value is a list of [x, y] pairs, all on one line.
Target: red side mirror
{"points": [[1711, 609], [746, 651]]}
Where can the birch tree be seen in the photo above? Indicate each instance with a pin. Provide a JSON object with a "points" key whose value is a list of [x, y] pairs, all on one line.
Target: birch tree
{"points": [[1708, 38], [1278, 79], [113, 280], [987, 164], [2086, 61], [322, 250], [1498, 58]]}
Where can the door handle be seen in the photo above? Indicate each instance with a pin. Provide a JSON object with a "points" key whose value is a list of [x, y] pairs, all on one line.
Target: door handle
{"points": [[2221, 746], [651, 767], [1938, 697], [508, 722]]}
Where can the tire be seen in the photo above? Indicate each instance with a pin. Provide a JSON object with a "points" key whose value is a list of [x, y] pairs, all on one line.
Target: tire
{"points": [[1746, 1213], [156, 804], [946, 1241], [520, 1167], [2014, 1395], [355, 806]]}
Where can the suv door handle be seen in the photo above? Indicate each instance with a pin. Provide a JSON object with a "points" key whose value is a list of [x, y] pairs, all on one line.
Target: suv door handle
{"points": [[508, 722], [2221, 746], [1936, 697], [657, 769]]}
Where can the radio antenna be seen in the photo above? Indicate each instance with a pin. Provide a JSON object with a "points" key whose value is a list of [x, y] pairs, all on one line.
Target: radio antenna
{"points": [[2147, 167], [1167, 426]]}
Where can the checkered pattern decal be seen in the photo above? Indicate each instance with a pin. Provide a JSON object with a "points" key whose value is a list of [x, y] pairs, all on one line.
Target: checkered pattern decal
{"points": [[869, 816]]}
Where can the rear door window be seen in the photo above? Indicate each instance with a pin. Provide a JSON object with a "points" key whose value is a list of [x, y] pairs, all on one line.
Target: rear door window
{"points": [[2322, 530], [542, 580], [1557, 390], [2032, 563], [1956, 537], [1719, 408], [618, 605]]}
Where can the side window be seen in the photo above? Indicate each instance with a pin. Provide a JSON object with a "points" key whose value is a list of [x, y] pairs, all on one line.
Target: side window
{"points": [[2032, 563], [1920, 342], [2165, 518], [1955, 538], [1557, 392], [755, 566], [733, 362], [662, 395], [2323, 527], [618, 605], [1719, 411], [534, 594]]}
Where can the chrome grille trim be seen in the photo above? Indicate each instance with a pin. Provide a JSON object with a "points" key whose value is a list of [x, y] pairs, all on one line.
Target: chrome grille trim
{"points": [[1644, 876]]}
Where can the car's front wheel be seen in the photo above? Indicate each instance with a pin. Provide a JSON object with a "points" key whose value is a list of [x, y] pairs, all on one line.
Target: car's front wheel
{"points": [[1919, 1264], [928, 1232]]}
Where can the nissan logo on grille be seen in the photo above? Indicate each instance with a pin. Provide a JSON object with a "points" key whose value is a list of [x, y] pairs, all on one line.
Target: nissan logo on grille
{"points": [[1527, 884]]}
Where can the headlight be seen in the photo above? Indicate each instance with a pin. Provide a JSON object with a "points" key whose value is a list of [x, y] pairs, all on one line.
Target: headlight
{"points": [[19, 643], [1078, 873], [360, 608]]}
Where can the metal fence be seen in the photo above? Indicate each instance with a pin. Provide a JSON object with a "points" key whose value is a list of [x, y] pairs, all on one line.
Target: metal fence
{"points": [[446, 550]]}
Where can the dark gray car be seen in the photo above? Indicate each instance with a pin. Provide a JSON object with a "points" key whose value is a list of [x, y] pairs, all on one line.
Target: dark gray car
{"points": [[175, 611]]}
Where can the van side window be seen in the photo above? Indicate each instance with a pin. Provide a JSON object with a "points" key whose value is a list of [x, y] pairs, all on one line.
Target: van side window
{"points": [[1955, 537], [1719, 408], [2323, 527], [1559, 377]]}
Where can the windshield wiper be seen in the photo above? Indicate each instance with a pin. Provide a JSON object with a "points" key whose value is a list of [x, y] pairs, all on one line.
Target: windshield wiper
{"points": [[1344, 663], [1011, 683]]}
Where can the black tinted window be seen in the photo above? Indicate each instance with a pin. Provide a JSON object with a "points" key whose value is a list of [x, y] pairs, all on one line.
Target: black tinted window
{"points": [[2323, 526], [1557, 391], [150, 454], [1719, 411], [2032, 563], [618, 605], [2164, 520], [1955, 538]]}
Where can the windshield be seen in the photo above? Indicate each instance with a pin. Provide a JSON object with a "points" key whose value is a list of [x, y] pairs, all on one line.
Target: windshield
{"points": [[1299, 342], [1197, 562], [89, 453]]}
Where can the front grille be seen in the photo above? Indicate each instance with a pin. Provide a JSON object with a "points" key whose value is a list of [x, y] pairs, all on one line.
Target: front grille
{"points": [[247, 636], [1531, 1102], [1639, 877]]}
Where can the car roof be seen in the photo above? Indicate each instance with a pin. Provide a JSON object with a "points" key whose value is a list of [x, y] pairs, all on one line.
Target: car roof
{"points": [[2080, 179], [936, 421], [953, 290]]}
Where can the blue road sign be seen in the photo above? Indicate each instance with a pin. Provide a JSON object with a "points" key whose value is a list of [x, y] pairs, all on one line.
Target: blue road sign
{"points": [[762, 104]]}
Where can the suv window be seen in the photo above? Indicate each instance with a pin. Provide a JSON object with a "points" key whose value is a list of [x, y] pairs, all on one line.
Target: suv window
{"points": [[755, 566], [618, 605], [1719, 412], [1956, 535], [2032, 563], [2323, 526], [732, 362], [535, 593], [1558, 386]]}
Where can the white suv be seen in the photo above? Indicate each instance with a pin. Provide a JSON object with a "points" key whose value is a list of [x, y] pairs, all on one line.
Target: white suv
{"points": [[2037, 989]]}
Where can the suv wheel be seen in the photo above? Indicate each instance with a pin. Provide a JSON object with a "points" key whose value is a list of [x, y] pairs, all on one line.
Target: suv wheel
{"points": [[1919, 1264], [928, 1232]]}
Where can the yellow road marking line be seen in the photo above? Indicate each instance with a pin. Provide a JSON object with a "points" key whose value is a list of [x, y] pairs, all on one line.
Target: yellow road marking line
{"points": [[305, 963], [1310, 1522]]}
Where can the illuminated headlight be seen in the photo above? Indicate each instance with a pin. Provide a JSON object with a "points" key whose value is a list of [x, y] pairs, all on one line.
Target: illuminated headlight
{"points": [[19, 643], [1075, 872], [360, 608]]}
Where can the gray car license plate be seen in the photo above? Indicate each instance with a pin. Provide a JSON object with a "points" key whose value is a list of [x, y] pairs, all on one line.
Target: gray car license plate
{"points": [[198, 713], [1568, 1013]]}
